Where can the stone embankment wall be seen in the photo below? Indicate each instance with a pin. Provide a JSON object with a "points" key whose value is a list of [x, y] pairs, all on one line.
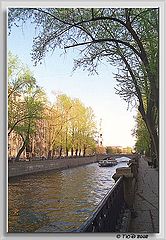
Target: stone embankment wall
{"points": [[22, 168]]}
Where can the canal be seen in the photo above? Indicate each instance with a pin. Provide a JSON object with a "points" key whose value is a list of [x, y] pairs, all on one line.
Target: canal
{"points": [[64, 199]]}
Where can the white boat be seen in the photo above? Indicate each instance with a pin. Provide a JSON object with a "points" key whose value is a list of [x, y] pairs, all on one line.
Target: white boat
{"points": [[108, 162]]}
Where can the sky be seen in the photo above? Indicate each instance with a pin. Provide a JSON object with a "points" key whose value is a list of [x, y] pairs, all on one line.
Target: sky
{"points": [[56, 75]]}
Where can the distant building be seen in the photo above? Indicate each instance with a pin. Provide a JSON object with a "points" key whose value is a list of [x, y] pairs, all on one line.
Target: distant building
{"points": [[14, 144]]}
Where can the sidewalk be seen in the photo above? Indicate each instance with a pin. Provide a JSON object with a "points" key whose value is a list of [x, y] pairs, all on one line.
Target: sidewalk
{"points": [[146, 202]]}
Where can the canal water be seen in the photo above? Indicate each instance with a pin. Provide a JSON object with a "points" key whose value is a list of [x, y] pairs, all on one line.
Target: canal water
{"points": [[64, 199]]}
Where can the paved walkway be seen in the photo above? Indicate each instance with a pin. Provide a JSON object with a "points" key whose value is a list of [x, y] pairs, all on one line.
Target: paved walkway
{"points": [[146, 202]]}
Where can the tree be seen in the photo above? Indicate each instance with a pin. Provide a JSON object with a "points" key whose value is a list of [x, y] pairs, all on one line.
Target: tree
{"points": [[70, 127], [64, 106], [34, 102], [20, 79], [125, 37], [82, 128], [88, 130], [25, 102], [143, 142]]}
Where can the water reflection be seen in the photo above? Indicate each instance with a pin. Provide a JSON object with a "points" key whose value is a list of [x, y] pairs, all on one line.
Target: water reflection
{"points": [[63, 198]]}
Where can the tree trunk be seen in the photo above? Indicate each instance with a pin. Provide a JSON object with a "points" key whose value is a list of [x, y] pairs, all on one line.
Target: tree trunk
{"points": [[155, 148], [60, 152], [147, 116], [20, 151], [67, 152], [53, 153], [84, 151], [80, 152], [153, 135], [49, 154], [76, 150], [72, 151], [25, 143]]}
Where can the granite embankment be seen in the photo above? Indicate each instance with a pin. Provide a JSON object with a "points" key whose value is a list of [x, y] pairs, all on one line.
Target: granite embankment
{"points": [[22, 168]]}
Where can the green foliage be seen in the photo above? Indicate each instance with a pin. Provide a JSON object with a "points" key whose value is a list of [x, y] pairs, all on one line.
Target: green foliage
{"points": [[20, 78], [143, 142], [71, 126], [25, 100]]}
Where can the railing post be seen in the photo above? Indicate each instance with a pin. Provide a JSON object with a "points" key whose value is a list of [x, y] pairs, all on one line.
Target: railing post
{"points": [[128, 184], [134, 167], [129, 180], [135, 159]]}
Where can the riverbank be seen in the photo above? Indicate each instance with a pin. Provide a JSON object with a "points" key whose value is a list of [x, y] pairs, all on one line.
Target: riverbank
{"points": [[23, 168]]}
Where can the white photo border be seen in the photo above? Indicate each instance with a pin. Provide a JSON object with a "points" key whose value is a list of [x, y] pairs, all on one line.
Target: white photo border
{"points": [[3, 112]]}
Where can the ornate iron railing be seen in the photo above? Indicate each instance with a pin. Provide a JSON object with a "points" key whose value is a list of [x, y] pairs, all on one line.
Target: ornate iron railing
{"points": [[105, 218]]}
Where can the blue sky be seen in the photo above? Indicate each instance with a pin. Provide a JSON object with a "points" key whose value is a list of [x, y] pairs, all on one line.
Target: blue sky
{"points": [[97, 91]]}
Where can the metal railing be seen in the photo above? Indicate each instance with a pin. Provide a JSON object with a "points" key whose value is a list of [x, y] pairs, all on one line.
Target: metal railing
{"points": [[106, 215]]}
